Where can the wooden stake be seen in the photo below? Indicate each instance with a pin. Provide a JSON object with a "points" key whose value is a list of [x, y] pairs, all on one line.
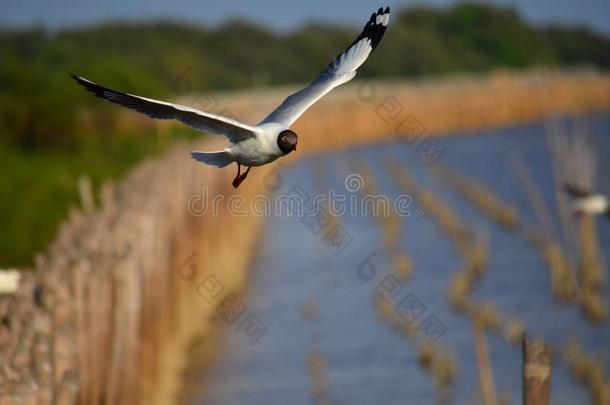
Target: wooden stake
{"points": [[536, 372]]}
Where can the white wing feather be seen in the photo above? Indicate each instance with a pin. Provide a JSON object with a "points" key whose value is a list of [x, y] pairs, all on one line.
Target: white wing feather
{"points": [[341, 70]]}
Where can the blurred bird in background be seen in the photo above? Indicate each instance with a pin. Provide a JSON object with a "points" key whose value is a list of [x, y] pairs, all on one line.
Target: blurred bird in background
{"points": [[586, 202]]}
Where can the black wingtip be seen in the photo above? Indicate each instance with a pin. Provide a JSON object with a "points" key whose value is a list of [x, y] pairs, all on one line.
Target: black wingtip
{"points": [[96, 89], [375, 28], [78, 79], [382, 11]]}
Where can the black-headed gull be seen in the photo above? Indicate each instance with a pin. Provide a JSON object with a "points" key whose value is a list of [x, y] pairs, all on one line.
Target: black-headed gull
{"points": [[586, 202], [272, 138]]}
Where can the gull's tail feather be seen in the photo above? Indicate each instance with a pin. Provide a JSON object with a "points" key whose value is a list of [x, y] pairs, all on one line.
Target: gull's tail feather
{"points": [[218, 159]]}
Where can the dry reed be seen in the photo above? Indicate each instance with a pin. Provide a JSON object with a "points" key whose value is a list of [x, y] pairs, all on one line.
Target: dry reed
{"points": [[575, 163], [438, 362], [563, 284], [486, 379], [472, 248], [316, 364], [481, 196], [390, 223], [590, 371], [373, 111], [376, 110]]}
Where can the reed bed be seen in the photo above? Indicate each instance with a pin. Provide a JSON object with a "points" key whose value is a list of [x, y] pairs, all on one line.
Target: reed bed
{"points": [[391, 225], [110, 308], [563, 283], [589, 370], [316, 361], [560, 265], [591, 274], [506, 216], [439, 362], [486, 379], [378, 110], [481, 196], [472, 247], [575, 162], [316, 364], [445, 216]]}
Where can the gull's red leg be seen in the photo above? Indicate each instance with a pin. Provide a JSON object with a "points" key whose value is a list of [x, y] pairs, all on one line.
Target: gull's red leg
{"points": [[237, 180], [243, 176]]}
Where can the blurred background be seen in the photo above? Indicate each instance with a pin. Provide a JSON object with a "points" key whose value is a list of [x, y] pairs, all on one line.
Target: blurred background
{"points": [[53, 131], [481, 112]]}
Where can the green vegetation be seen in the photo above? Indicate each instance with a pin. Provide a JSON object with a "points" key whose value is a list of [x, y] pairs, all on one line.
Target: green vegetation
{"points": [[38, 186], [52, 131]]}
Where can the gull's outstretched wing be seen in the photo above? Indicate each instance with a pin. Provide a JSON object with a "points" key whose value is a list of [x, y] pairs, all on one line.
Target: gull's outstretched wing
{"points": [[575, 191], [216, 124], [341, 70]]}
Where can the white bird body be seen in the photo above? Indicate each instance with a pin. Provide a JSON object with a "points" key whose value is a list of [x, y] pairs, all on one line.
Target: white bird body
{"points": [[586, 202], [260, 149], [272, 138], [595, 204]]}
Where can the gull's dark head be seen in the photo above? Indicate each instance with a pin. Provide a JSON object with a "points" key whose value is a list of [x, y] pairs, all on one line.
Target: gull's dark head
{"points": [[287, 141]]}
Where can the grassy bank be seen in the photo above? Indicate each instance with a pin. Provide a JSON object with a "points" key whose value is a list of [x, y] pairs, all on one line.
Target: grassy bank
{"points": [[42, 186]]}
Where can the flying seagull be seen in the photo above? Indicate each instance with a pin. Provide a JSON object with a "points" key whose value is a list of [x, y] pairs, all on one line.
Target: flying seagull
{"points": [[587, 202], [272, 138]]}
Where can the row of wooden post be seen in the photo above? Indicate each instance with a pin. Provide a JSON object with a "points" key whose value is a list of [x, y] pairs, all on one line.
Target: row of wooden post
{"points": [[536, 369], [536, 372]]}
